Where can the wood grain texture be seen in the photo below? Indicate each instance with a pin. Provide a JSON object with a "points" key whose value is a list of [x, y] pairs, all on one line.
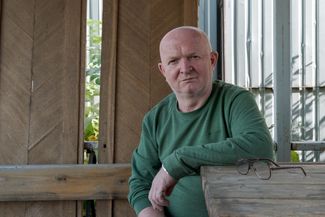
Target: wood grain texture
{"points": [[63, 182], [287, 193], [39, 91], [15, 80], [15, 83], [108, 95], [54, 115], [55, 92]]}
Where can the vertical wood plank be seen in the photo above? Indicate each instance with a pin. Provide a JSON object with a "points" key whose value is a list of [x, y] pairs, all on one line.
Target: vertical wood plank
{"points": [[0, 19], [132, 99], [82, 91], [55, 73], [108, 82], [16, 33], [191, 13], [83, 42], [54, 115], [15, 80], [108, 94]]}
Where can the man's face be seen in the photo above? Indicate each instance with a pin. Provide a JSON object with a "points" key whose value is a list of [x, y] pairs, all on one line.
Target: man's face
{"points": [[187, 63]]}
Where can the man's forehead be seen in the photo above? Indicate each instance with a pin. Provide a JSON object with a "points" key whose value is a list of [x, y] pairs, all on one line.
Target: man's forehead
{"points": [[179, 45], [174, 49], [179, 36]]}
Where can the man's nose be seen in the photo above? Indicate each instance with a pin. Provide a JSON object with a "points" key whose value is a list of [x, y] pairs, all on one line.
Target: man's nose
{"points": [[185, 65]]}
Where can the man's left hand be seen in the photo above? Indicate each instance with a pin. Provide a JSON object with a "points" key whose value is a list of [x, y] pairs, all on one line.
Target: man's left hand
{"points": [[162, 186]]}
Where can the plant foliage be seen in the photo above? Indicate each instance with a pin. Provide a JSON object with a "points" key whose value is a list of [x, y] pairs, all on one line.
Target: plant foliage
{"points": [[92, 89]]}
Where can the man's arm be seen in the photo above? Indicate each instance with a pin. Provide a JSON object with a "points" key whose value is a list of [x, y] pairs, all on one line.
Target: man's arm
{"points": [[249, 137], [145, 165]]}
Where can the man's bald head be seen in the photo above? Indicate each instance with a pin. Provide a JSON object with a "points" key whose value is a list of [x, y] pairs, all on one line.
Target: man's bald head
{"points": [[183, 32]]}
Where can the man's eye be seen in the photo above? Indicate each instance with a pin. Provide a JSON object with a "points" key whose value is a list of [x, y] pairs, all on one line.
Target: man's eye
{"points": [[171, 62], [195, 57]]}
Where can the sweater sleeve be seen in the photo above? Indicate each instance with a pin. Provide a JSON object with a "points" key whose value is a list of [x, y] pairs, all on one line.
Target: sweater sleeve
{"points": [[145, 164], [249, 138]]}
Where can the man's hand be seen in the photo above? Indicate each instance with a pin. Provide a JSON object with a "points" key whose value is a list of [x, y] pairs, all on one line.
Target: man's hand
{"points": [[150, 212], [162, 186]]}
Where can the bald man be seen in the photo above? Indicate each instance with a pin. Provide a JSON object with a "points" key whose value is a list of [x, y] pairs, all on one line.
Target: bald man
{"points": [[203, 122]]}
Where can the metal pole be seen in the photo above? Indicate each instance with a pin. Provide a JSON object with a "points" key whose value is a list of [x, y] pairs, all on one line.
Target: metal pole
{"points": [[282, 80]]}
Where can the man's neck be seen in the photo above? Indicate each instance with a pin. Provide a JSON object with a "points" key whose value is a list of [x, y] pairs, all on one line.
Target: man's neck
{"points": [[191, 103]]}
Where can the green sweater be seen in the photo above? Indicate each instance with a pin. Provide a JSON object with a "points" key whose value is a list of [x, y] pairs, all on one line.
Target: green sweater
{"points": [[228, 127]]}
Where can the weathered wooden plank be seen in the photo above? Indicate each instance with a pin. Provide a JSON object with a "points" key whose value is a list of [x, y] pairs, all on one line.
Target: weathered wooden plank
{"points": [[54, 115], [0, 20], [108, 95], [267, 207], [63, 182], [287, 193], [82, 84], [16, 23], [54, 109], [15, 80]]}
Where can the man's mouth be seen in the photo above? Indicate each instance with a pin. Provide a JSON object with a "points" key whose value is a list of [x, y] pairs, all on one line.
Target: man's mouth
{"points": [[189, 79]]}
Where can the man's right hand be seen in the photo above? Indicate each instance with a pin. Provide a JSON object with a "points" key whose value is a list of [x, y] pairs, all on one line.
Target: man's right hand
{"points": [[150, 212]]}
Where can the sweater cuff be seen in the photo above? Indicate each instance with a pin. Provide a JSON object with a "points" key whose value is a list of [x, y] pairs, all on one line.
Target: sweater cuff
{"points": [[174, 167], [140, 204]]}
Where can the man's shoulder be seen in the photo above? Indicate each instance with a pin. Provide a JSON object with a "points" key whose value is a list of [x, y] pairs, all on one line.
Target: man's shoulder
{"points": [[228, 87], [163, 106], [228, 90]]}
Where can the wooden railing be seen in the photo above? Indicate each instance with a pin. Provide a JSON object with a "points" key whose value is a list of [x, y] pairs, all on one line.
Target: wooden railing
{"points": [[64, 182]]}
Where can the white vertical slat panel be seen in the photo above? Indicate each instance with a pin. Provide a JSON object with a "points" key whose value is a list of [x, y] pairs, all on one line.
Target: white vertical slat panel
{"points": [[309, 41], [268, 53], [296, 66], [316, 83], [296, 40], [268, 61], [296, 118], [310, 72], [321, 45], [255, 39], [309, 124], [229, 75], [320, 53], [240, 43]]}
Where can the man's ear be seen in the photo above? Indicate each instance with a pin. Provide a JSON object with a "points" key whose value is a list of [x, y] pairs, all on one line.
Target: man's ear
{"points": [[214, 58], [161, 69]]}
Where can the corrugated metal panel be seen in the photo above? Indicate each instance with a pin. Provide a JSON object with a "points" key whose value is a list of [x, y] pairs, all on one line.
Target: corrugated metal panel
{"points": [[282, 65]]}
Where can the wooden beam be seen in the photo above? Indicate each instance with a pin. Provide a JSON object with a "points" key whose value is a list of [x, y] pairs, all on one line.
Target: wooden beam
{"points": [[64, 182]]}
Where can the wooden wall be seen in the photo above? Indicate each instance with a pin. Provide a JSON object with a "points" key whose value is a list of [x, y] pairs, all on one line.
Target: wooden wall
{"points": [[41, 85], [39, 91]]}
